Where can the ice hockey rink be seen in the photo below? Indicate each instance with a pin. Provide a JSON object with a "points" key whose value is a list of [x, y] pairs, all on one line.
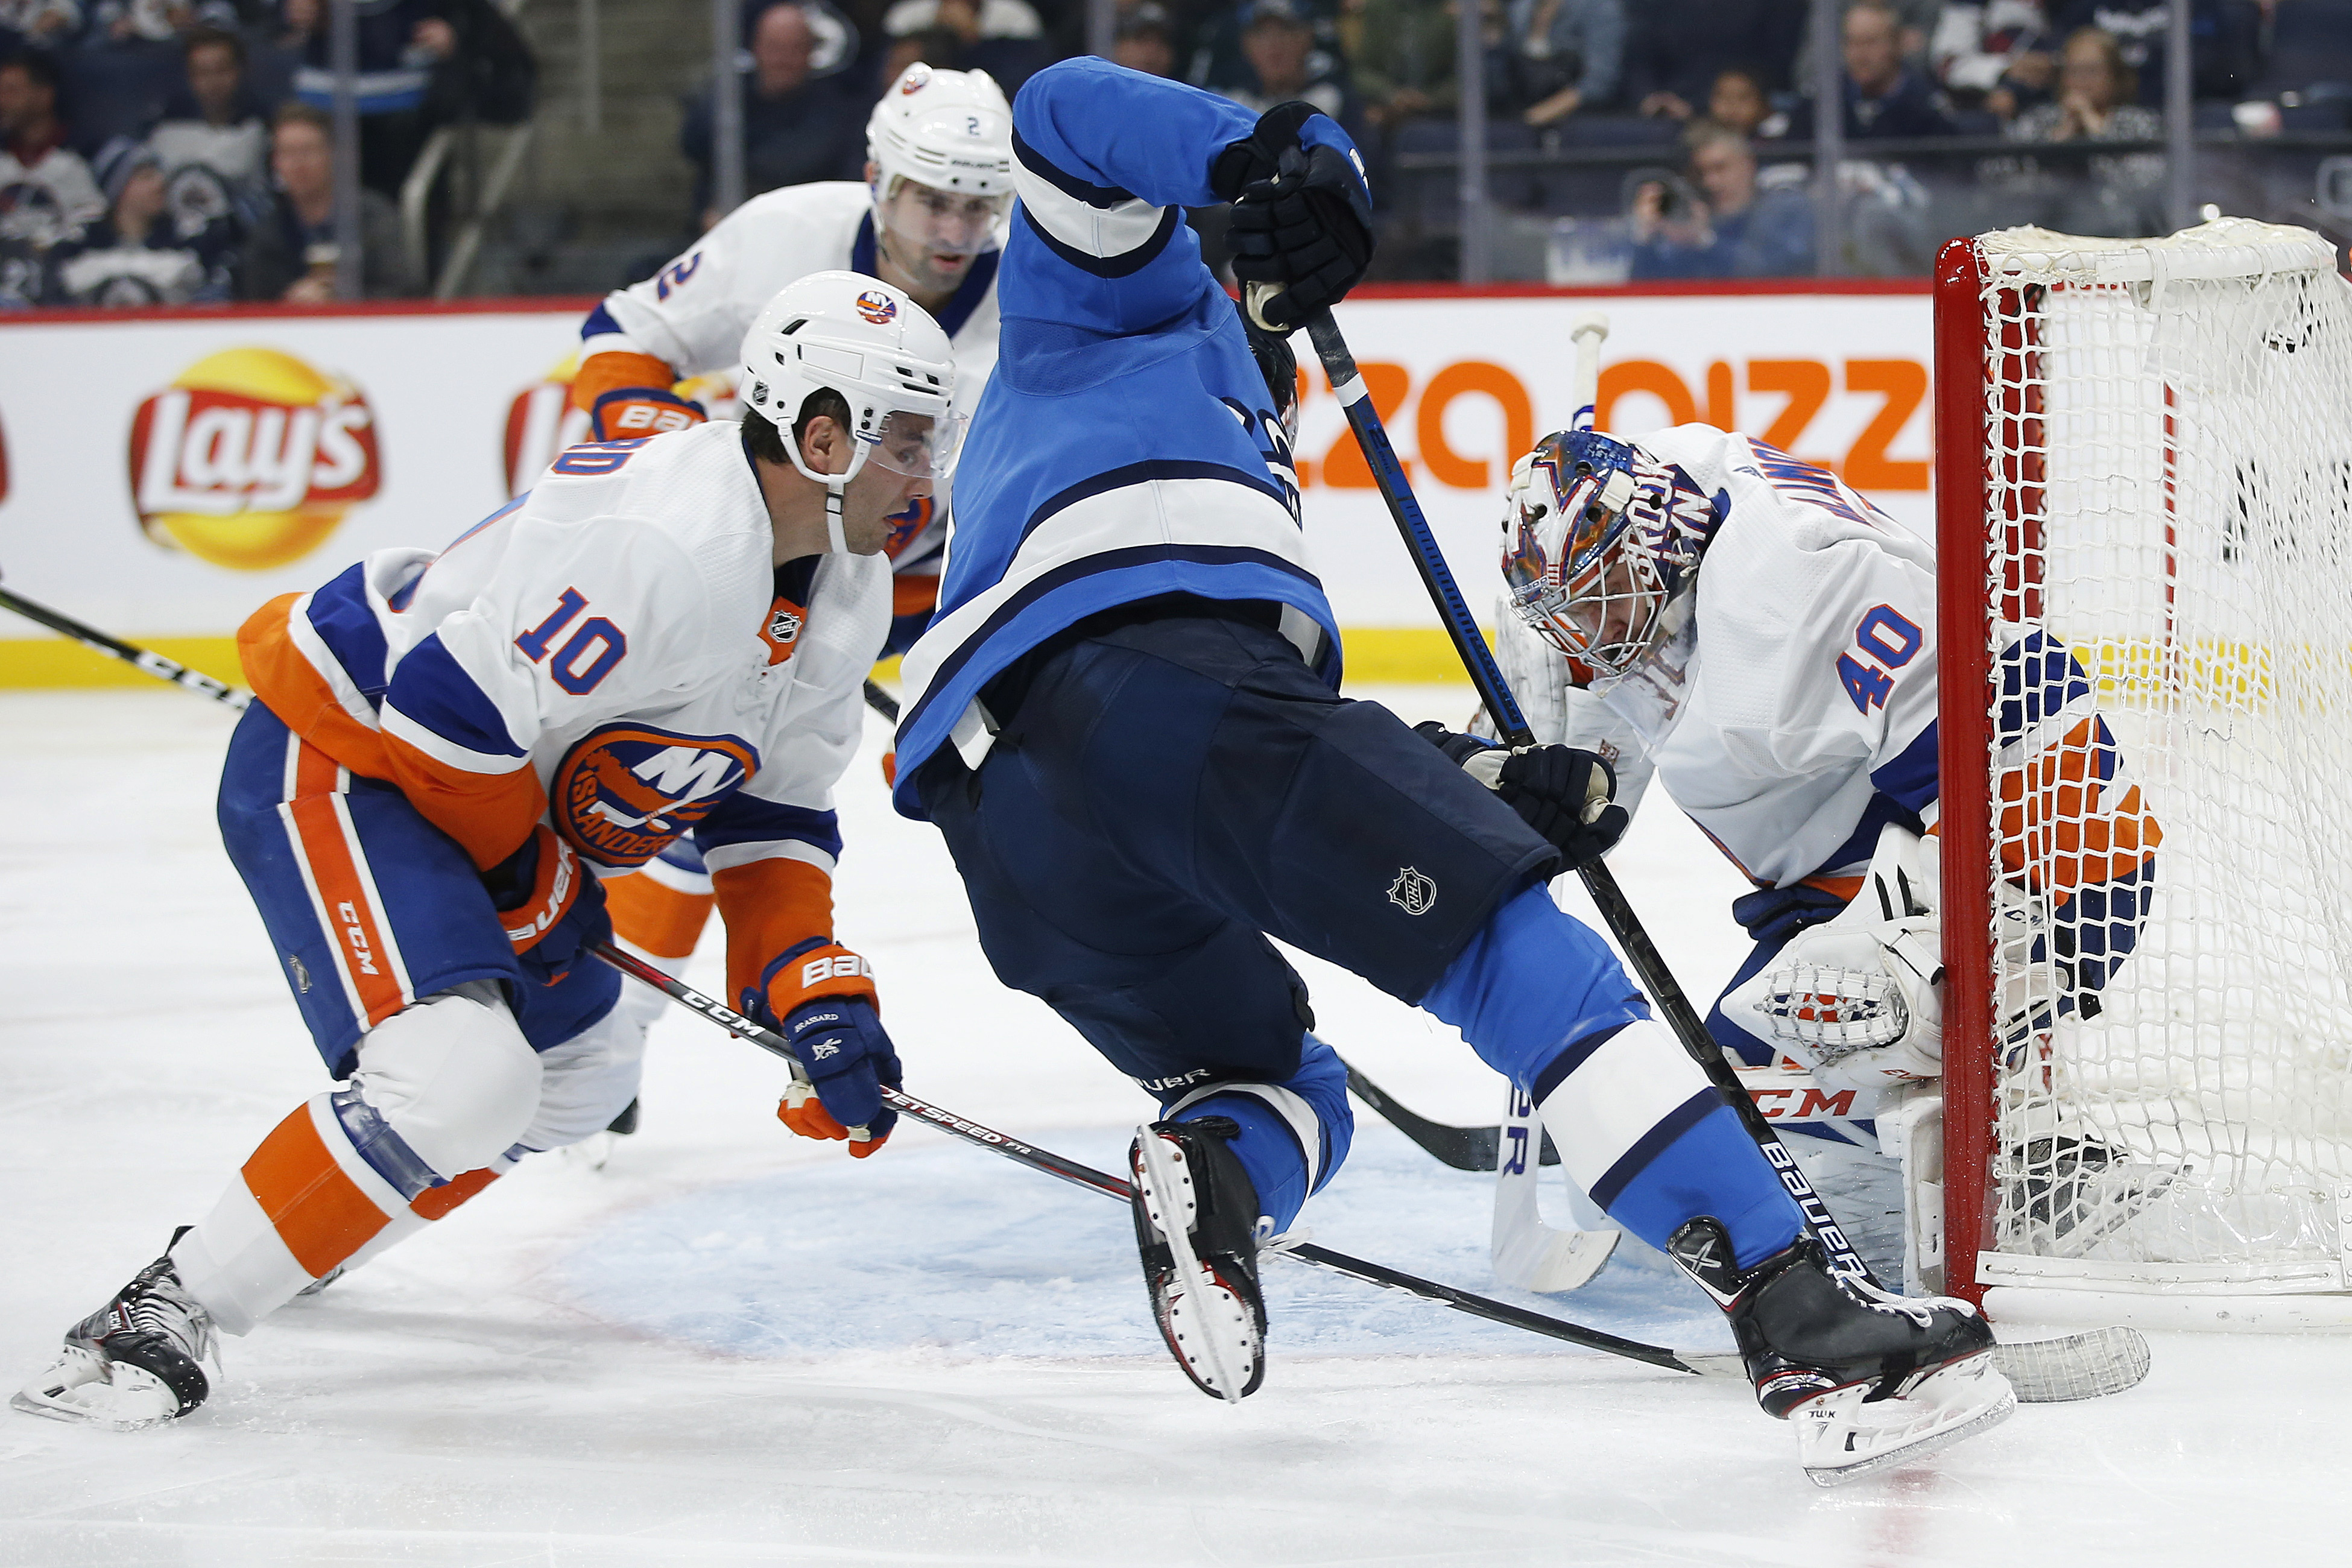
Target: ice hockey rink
{"points": [[730, 1346]]}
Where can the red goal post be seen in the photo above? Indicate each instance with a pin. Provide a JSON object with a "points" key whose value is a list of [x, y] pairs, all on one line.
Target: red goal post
{"points": [[2144, 504]]}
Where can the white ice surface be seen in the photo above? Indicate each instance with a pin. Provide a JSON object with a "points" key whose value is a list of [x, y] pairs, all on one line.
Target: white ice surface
{"points": [[734, 1347]]}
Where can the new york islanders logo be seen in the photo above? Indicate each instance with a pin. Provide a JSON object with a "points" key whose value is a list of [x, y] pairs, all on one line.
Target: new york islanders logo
{"points": [[878, 306], [627, 790]]}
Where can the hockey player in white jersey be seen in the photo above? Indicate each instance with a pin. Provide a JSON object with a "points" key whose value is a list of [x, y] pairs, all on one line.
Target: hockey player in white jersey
{"points": [[928, 220], [1698, 606], [447, 751]]}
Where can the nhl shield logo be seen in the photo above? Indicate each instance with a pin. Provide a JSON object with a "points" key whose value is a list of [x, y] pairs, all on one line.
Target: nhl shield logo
{"points": [[1413, 893]]}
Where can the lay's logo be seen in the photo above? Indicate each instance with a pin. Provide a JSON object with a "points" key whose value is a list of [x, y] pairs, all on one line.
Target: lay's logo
{"points": [[251, 457], [625, 791]]}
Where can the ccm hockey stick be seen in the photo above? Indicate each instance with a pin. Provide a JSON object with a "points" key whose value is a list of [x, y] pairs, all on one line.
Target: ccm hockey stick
{"points": [[2103, 1360], [1703, 1364], [138, 658], [1464, 1148]]}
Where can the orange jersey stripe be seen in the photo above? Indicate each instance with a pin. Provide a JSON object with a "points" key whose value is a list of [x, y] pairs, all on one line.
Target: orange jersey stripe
{"points": [[601, 374], [914, 594], [292, 688], [361, 946], [489, 814], [656, 918], [435, 1202], [322, 1215], [2057, 825], [770, 906]]}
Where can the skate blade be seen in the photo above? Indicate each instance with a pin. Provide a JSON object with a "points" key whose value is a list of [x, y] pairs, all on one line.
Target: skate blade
{"points": [[1840, 1438], [1209, 1329], [88, 1390], [593, 1151]]}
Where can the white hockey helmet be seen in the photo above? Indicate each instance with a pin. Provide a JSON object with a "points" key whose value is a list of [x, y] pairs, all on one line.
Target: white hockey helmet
{"points": [[952, 130], [880, 351]]}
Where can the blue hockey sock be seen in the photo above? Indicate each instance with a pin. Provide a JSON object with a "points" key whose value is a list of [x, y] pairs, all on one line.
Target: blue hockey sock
{"points": [[1530, 983], [1293, 1134], [1641, 1130]]}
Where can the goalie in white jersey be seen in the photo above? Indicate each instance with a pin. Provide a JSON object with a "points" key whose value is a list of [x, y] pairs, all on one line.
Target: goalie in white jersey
{"points": [[928, 220], [445, 751], [1700, 606]]}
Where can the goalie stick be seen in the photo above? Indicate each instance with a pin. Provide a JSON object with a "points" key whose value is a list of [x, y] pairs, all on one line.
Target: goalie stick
{"points": [[2102, 1360], [2036, 1376], [138, 658]]}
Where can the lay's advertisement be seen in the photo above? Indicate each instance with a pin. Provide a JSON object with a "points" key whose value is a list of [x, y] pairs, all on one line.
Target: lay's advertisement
{"points": [[161, 476]]}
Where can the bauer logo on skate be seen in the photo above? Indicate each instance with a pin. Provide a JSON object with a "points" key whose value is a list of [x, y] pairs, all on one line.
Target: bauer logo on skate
{"points": [[627, 790], [251, 457]]}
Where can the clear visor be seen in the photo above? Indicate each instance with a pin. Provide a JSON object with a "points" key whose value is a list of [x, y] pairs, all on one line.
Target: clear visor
{"points": [[921, 445], [929, 221]]}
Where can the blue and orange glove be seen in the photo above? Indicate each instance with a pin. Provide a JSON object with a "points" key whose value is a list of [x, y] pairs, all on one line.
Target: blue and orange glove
{"points": [[628, 395], [551, 904], [820, 996]]}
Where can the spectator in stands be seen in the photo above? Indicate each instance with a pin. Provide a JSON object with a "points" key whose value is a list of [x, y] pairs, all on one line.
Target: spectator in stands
{"points": [[1003, 37], [1996, 54], [1914, 25], [139, 253], [1279, 43], [46, 23], [1731, 230], [1674, 49], [2226, 41], [1737, 101], [1563, 55], [1403, 60], [291, 253], [2121, 194], [1221, 63], [422, 64], [212, 142], [46, 192], [1884, 97], [1146, 41], [798, 125]]}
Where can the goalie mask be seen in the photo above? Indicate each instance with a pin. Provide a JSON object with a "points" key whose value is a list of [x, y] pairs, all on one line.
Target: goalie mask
{"points": [[1598, 538]]}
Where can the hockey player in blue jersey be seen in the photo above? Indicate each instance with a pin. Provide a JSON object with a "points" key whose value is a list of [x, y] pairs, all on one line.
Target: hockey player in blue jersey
{"points": [[1125, 721]]}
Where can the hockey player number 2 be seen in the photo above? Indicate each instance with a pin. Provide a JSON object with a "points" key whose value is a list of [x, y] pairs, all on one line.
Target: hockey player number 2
{"points": [[1890, 639], [588, 657]]}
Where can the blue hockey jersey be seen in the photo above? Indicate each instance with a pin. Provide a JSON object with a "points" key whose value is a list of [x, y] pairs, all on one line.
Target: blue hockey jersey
{"points": [[1127, 446]]}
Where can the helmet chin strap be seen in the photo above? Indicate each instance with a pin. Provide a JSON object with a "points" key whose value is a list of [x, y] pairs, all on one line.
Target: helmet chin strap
{"points": [[834, 538]]}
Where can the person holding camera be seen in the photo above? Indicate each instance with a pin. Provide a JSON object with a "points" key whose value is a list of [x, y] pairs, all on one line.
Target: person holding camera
{"points": [[1720, 225]]}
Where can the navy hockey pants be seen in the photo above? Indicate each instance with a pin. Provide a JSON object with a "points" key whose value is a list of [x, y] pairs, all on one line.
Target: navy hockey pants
{"points": [[1166, 791]]}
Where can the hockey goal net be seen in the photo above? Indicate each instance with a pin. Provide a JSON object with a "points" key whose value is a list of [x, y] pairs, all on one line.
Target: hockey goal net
{"points": [[2144, 472]]}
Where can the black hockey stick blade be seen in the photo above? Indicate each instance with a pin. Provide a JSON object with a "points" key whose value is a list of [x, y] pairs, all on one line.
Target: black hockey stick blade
{"points": [[1464, 1148], [141, 659], [881, 701]]}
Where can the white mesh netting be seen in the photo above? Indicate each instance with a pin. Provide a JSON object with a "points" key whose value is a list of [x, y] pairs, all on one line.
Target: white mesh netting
{"points": [[2169, 576]]}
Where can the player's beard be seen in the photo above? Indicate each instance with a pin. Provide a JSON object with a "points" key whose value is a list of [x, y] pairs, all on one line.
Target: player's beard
{"points": [[925, 271]]}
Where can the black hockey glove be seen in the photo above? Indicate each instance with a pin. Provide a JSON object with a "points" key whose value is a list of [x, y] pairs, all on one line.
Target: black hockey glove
{"points": [[1563, 793], [1302, 223]]}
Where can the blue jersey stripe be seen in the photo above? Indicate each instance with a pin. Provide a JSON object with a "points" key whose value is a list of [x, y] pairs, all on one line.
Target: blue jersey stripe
{"points": [[433, 689], [1141, 473], [340, 616], [743, 818], [1910, 779]]}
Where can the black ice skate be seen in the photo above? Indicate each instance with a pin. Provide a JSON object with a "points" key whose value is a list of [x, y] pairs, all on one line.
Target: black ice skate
{"points": [[1868, 1379], [1196, 1225], [135, 1362]]}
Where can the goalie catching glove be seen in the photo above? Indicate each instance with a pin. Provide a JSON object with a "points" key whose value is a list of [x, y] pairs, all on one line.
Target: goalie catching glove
{"points": [[1860, 1000], [1561, 792], [820, 996]]}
